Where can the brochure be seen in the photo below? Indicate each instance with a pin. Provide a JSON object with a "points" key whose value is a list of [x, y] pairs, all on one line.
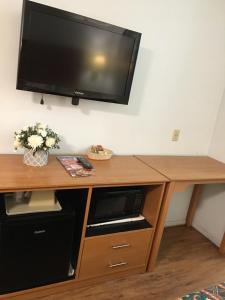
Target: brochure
{"points": [[73, 167]]}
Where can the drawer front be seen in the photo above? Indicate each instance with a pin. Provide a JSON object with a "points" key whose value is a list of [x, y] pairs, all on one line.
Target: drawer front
{"points": [[114, 253]]}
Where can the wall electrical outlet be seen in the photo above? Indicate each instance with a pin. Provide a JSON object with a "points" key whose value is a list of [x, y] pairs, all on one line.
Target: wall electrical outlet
{"points": [[176, 135]]}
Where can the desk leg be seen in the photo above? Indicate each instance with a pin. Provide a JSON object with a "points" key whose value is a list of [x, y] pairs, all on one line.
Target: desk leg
{"points": [[222, 245], [160, 225], [196, 195]]}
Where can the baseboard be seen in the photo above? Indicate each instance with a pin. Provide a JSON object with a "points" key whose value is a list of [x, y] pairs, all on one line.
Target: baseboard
{"points": [[203, 231], [170, 223]]}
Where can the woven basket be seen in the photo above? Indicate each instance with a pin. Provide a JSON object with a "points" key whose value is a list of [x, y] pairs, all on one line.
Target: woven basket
{"points": [[100, 156], [39, 159]]}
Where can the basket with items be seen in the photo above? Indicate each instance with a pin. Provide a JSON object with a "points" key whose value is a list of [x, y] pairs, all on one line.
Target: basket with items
{"points": [[99, 153]]}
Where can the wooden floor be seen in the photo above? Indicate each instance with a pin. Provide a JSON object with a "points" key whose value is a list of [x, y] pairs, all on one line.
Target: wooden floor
{"points": [[187, 262]]}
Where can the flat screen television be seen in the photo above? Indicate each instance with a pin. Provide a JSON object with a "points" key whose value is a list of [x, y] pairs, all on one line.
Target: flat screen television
{"points": [[67, 54]]}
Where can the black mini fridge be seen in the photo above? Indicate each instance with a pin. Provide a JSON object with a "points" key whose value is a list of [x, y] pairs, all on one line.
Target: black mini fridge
{"points": [[35, 250]]}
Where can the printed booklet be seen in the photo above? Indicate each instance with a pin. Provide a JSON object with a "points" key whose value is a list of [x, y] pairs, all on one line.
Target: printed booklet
{"points": [[73, 167]]}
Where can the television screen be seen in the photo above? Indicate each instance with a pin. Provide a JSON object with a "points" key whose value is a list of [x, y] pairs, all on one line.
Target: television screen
{"points": [[67, 54]]}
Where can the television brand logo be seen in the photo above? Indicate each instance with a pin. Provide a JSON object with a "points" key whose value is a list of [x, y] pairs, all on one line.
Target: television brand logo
{"points": [[78, 93]]}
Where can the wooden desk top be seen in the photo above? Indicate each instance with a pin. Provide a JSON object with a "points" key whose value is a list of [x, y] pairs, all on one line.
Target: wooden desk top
{"points": [[120, 170], [187, 168]]}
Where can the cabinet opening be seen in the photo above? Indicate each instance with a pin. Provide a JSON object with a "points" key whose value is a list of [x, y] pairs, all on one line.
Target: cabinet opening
{"points": [[118, 209]]}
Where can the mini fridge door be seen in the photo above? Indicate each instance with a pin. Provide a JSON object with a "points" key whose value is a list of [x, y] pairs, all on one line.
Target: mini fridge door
{"points": [[35, 251]]}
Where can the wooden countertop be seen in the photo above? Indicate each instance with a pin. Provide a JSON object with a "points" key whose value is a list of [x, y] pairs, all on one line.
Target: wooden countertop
{"points": [[120, 170], [187, 168]]}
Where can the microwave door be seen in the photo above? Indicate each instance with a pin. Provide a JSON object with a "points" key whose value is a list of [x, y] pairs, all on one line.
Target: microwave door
{"points": [[107, 206], [114, 205]]}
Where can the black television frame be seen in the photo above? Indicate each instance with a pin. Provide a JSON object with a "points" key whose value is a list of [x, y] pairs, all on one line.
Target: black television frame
{"points": [[28, 6]]}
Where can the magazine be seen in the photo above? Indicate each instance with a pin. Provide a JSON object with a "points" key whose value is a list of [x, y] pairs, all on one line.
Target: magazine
{"points": [[73, 167]]}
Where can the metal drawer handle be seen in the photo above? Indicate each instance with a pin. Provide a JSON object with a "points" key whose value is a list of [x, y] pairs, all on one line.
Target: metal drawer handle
{"points": [[121, 246], [118, 265]]}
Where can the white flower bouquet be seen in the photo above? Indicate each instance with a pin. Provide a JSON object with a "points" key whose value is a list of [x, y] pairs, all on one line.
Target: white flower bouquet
{"points": [[36, 138]]}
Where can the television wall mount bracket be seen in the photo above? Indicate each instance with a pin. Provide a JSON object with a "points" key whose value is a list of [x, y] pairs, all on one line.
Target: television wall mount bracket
{"points": [[75, 100]]}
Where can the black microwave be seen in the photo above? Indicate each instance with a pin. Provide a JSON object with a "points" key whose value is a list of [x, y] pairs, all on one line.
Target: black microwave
{"points": [[109, 204]]}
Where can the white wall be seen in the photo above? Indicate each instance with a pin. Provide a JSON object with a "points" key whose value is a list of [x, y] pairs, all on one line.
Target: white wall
{"points": [[178, 208], [210, 215], [178, 82]]}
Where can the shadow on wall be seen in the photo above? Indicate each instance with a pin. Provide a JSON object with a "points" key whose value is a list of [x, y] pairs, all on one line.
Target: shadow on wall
{"points": [[209, 218], [136, 96], [213, 191]]}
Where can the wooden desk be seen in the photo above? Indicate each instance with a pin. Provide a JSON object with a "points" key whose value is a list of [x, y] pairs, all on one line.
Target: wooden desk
{"points": [[120, 170], [183, 171]]}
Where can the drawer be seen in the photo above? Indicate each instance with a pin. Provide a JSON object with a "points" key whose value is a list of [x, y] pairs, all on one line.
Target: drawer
{"points": [[116, 252]]}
